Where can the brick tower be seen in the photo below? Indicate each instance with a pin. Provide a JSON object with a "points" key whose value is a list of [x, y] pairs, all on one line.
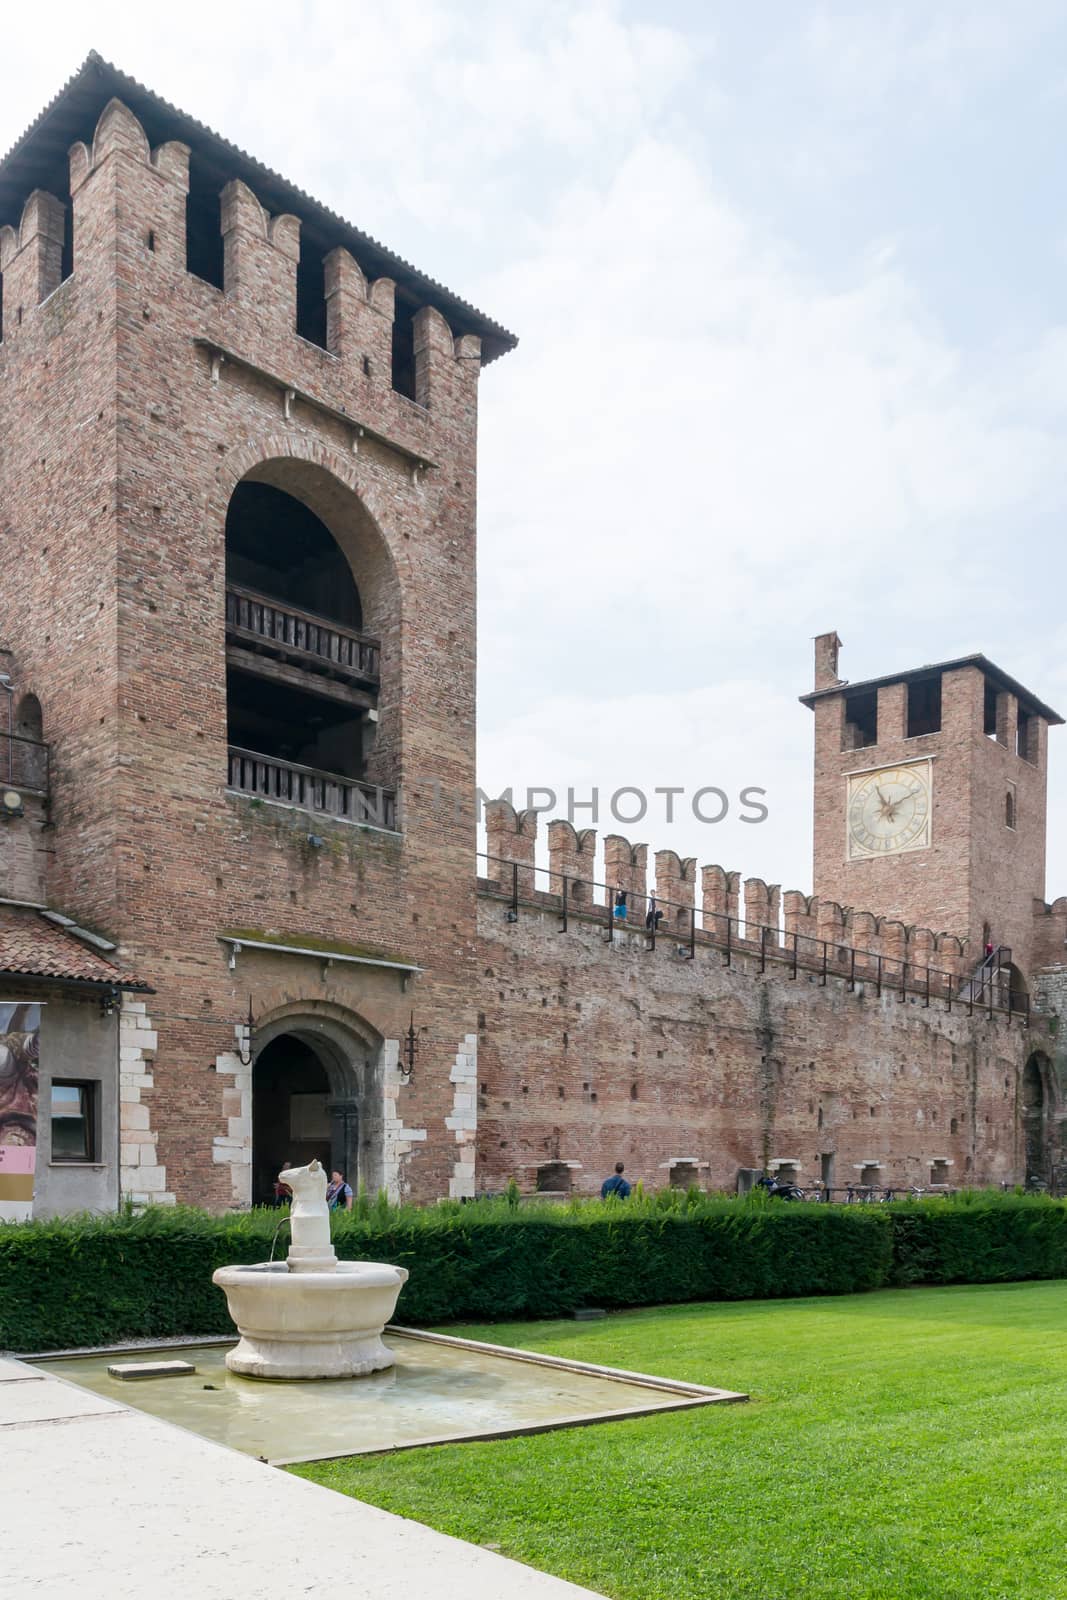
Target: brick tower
{"points": [[239, 473], [930, 793]]}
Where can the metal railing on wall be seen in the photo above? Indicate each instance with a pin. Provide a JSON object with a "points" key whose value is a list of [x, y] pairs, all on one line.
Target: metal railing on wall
{"points": [[688, 929], [25, 764]]}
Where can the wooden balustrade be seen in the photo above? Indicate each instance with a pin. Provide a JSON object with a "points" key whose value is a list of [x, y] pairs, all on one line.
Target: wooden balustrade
{"points": [[326, 792], [314, 642]]}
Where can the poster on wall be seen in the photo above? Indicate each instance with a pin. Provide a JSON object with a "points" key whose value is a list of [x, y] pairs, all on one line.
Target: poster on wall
{"points": [[20, 1025]]}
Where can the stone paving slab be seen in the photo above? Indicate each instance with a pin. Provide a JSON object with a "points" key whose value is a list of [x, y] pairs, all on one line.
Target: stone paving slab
{"points": [[15, 1372], [113, 1503], [47, 1402]]}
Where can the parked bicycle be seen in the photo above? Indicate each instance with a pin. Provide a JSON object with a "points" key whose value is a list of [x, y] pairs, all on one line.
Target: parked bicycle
{"points": [[781, 1191]]}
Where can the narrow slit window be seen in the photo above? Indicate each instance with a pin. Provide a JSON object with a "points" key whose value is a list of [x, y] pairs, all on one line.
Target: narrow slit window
{"points": [[1026, 736], [204, 249], [989, 717], [311, 292], [1009, 806], [404, 349]]}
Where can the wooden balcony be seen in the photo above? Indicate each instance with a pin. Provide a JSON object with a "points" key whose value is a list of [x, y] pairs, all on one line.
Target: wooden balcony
{"points": [[324, 792], [273, 639]]}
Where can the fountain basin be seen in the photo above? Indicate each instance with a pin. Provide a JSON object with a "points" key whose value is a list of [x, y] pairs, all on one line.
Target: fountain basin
{"points": [[303, 1324]]}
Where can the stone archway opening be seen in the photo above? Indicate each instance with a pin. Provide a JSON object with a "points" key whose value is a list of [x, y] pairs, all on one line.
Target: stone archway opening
{"points": [[1033, 1106], [312, 645], [316, 1094], [290, 1112]]}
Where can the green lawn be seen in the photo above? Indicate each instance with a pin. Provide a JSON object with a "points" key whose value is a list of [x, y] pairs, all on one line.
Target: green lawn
{"points": [[902, 1445]]}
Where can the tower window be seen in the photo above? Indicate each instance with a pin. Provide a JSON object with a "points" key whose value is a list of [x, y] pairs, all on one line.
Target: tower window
{"points": [[404, 349], [861, 719], [1026, 736], [1009, 807], [924, 707], [989, 711], [311, 291], [203, 225]]}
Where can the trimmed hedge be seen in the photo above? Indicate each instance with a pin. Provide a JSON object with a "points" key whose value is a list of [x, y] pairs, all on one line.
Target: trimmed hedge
{"points": [[100, 1280], [979, 1238]]}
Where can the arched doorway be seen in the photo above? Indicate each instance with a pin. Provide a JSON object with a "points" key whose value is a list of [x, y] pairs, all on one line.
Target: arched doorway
{"points": [[316, 1095], [1035, 1153], [290, 1115]]}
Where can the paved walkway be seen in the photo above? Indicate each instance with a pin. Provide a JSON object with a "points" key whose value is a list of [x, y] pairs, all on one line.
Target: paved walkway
{"points": [[105, 1503]]}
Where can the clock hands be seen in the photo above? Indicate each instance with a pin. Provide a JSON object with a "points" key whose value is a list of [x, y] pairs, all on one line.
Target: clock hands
{"points": [[889, 807]]}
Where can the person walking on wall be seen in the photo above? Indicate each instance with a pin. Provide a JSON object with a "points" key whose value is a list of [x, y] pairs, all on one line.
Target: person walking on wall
{"points": [[619, 912], [338, 1193], [616, 1184]]}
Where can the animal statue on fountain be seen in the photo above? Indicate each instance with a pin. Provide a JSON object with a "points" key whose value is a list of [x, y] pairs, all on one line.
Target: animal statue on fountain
{"points": [[310, 1316], [310, 1249]]}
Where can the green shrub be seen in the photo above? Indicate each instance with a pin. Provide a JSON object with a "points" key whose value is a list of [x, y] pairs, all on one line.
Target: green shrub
{"points": [[99, 1280], [979, 1236]]}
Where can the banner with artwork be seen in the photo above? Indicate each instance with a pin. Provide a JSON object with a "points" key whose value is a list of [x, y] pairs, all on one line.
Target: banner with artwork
{"points": [[20, 1025]]}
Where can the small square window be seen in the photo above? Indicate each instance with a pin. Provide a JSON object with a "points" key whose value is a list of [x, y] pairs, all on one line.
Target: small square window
{"points": [[74, 1121]]}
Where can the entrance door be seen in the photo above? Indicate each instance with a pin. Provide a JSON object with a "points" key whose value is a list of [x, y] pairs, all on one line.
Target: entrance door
{"points": [[291, 1118]]}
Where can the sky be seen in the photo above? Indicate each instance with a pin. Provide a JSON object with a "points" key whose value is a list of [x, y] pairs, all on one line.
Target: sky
{"points": [[789, 286]]}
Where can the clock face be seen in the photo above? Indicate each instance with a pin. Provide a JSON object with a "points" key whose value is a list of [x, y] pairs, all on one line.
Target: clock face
{"points": [[889, 810]]}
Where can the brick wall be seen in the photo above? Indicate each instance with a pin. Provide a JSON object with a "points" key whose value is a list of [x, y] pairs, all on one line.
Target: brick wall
{"points": [[976, 871], [591, 1052], [122, 443]]}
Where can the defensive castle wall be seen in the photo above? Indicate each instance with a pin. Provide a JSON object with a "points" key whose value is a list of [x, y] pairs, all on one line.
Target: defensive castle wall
{"points": [[746, 1031]]}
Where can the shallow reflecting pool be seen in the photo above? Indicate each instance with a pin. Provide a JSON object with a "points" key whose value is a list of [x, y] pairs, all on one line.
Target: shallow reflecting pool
{"points": [[439, 1390]]}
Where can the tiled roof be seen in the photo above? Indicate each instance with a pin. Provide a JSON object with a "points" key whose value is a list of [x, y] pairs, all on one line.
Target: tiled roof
{"points": [[33, 947]]}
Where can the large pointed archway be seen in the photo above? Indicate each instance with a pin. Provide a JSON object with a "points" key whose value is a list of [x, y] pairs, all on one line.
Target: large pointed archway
{"points": [[316, 1094], [1034, 1118]]}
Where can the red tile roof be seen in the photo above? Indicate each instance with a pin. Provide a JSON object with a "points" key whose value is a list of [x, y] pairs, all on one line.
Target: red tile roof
{"points": [[33, 947]]}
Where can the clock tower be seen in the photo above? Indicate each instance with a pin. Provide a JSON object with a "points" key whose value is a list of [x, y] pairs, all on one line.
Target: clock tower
{"points": [[930, 797]]}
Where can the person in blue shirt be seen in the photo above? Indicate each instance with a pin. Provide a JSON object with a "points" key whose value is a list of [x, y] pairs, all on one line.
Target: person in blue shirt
{"points": [[616, 1184], [338, 1195]]}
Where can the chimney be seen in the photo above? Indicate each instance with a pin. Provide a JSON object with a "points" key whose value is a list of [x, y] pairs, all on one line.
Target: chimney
{"points": [[827, 646]]}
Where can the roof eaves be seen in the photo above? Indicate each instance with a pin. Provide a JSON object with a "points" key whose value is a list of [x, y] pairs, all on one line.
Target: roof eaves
{"points": [[1024, 695]]}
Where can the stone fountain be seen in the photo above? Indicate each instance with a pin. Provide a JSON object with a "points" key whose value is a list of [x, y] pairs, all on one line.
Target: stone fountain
{"points": [[310, 1316]]}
